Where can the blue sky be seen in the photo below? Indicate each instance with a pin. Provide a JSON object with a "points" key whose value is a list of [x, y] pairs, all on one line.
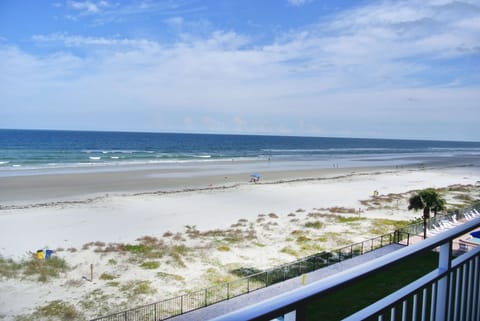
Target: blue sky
{"points": [[379, 69]]}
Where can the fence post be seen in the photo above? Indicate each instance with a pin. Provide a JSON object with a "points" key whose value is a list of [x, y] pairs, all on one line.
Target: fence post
{"points": [[248, 285], [205, 296], [228, 290], [181, 304]]}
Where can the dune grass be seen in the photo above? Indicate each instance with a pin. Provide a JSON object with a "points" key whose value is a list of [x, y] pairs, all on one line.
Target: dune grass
{"points": [[43, 270], [54, 311]]}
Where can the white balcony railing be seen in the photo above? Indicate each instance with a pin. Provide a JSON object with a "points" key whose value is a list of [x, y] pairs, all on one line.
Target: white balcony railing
{"points": [[449, 292]]}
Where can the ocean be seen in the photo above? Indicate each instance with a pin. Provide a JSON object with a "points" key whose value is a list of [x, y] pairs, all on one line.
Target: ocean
{"points": [[37, 151]]}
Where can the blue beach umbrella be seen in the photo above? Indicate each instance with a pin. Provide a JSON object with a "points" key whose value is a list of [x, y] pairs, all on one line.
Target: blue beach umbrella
{"points": [[254, 177]]}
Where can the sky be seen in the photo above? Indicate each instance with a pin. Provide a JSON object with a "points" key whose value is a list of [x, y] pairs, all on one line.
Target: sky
{"points": [[405, 69]]}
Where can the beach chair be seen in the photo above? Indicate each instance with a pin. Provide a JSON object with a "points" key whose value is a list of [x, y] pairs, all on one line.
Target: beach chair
{"points": [[477, 212], [437, 228], [463, 247], [454, 219], [447, 224]]}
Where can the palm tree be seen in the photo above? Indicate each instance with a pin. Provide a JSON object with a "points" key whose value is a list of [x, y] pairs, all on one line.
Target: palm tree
{"points": [[426, 200]]}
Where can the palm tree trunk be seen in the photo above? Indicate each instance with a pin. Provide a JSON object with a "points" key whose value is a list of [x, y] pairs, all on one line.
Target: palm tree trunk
{"points": [[426, 216]]}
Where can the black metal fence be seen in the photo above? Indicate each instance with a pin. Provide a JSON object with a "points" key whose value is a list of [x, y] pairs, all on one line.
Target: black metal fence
{"points": [[188, 302], [434, 221]]}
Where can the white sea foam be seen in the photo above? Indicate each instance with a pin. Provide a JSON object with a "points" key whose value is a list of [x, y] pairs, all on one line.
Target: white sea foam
{"points": [[95, 157]]}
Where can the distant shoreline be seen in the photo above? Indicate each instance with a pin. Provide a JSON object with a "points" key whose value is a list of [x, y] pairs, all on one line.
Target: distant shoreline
{"points": [[54, 187]]}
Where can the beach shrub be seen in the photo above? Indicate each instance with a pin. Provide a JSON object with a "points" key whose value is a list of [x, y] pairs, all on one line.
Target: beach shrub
{"points": [[223, 248], [9, 268], [136, 248], [167, 276], [349, 219], [215, 277], [54, 311], [177, 260], [302, 239], [343, 210], [45, 269], [150, 265], [464, 197], [137, 287], [288, 250], [315, 224], [96, 301], [245, 271], [381, 226], [112, 262], [108, 277], [297, 232]]}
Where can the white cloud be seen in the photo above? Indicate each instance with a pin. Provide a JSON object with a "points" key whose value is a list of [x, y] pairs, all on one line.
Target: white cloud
{"points": [[380, 63], [82, 41], [298, 3], [88, 7], [175, 21]]}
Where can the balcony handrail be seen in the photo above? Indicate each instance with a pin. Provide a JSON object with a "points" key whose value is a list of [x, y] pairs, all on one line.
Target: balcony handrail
{"points": [[287, 302], [404, 292]]}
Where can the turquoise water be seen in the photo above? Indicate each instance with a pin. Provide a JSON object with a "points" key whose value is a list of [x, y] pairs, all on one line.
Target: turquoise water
{"points": [[39, 150]]}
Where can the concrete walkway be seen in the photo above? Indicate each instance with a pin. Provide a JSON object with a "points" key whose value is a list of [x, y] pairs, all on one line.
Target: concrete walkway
{"points": [[241, 301]]}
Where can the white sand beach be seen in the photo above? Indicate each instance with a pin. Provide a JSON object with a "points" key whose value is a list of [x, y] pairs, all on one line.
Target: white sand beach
{"points": [[268, 216]]}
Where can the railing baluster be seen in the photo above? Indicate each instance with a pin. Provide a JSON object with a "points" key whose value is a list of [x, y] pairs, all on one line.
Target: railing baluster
{"points": [[404, 310], [433, 299], [469, 290], [462, 297], [424, 304], [476, 294]]}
